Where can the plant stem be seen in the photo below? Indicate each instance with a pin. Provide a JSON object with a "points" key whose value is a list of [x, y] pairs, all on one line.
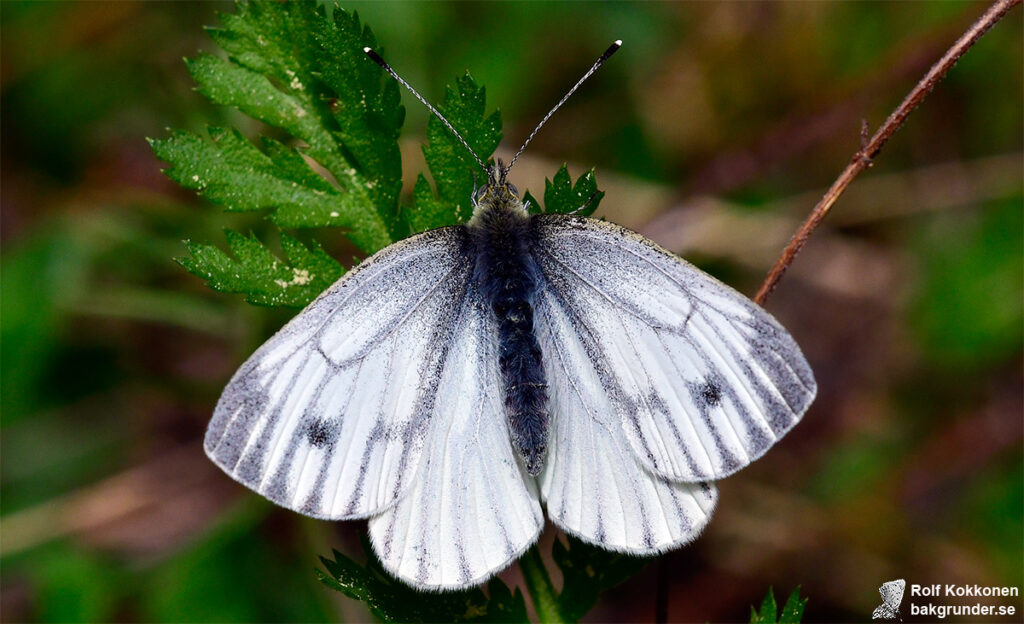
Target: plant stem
{"points": [[862, 159], [538, 584]]}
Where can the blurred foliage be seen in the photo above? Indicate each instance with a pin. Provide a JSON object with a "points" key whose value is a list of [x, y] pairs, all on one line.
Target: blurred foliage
{"points": [[966, 259], [232, 575], [908, 465], [229, 574], [40, 273]]}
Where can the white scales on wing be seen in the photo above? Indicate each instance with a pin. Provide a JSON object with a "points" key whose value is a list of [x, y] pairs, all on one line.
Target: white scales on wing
{"points": [[704, 380], [593, 485], [473, 509], [329, 417]]}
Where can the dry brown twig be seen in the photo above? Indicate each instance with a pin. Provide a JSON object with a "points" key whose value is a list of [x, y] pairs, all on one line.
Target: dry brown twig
{"points": [[870, 149]]}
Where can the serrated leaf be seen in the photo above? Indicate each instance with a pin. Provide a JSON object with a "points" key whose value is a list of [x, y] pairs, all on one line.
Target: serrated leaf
{"points": [[368, 112], [292, 67], [792, 611], [393, 601], [229, 170], [253, 270], [332, 91], [587, 571], [769, 612], [563, 197], [453, 168], [230, 84], [428, 210]]}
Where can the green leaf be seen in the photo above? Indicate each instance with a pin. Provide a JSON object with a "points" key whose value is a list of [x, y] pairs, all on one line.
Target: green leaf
{"points": [[563, 197], [230, 170], [769, 613], [587, 571], [453, 168], [304, 73], [393, 601], [294, 68], [257, 273], [792, 611], [230, 84]]}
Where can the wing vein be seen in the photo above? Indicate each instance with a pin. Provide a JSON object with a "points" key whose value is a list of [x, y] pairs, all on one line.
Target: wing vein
{"points": [[675, 365], [293, 415], [610, 431], [351, 438], [395, 325], [723, 363], [771, 383], [636, 383], [752, 326]]}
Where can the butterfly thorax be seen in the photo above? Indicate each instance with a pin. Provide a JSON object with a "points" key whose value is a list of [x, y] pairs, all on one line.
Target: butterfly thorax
{"points": [[507, 277]]}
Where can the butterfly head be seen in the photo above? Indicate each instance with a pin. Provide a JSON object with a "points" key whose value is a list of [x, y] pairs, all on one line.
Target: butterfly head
{"points": [[497, 193], [497, 184]]}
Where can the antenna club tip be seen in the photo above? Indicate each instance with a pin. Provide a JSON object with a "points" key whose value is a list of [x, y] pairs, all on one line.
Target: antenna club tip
{"points": [[612, 49], [375, 57]]}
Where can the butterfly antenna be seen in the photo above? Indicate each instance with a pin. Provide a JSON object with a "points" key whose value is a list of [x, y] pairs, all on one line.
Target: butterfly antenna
{"points": [[378, 60], [604, 57]]}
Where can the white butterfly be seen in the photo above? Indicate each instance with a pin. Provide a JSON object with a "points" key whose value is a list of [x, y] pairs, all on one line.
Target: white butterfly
{"points": [[453, 383]]}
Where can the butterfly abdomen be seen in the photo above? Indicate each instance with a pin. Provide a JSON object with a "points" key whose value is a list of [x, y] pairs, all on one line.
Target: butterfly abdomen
{"points": [[508, 278]]}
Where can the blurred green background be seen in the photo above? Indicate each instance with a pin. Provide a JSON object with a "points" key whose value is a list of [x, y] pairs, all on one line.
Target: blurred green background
{"points": [[714, 130]]}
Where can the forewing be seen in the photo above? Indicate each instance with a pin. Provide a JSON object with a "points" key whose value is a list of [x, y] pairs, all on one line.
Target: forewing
{"points": [[472, 510], [593, 485], [703, 380], [329, 417]]}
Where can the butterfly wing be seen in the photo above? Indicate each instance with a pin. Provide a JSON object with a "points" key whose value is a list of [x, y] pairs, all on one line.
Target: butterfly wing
{"points": [[593, 485], [702, 380], [472, 510], [329, 417]]}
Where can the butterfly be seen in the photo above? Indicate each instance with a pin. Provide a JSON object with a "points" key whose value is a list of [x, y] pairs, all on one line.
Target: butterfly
{"points": [[454, 383]]}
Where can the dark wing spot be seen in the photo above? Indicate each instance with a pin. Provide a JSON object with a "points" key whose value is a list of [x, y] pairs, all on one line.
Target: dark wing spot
{"points": [[711, 393], [318, 434]]}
